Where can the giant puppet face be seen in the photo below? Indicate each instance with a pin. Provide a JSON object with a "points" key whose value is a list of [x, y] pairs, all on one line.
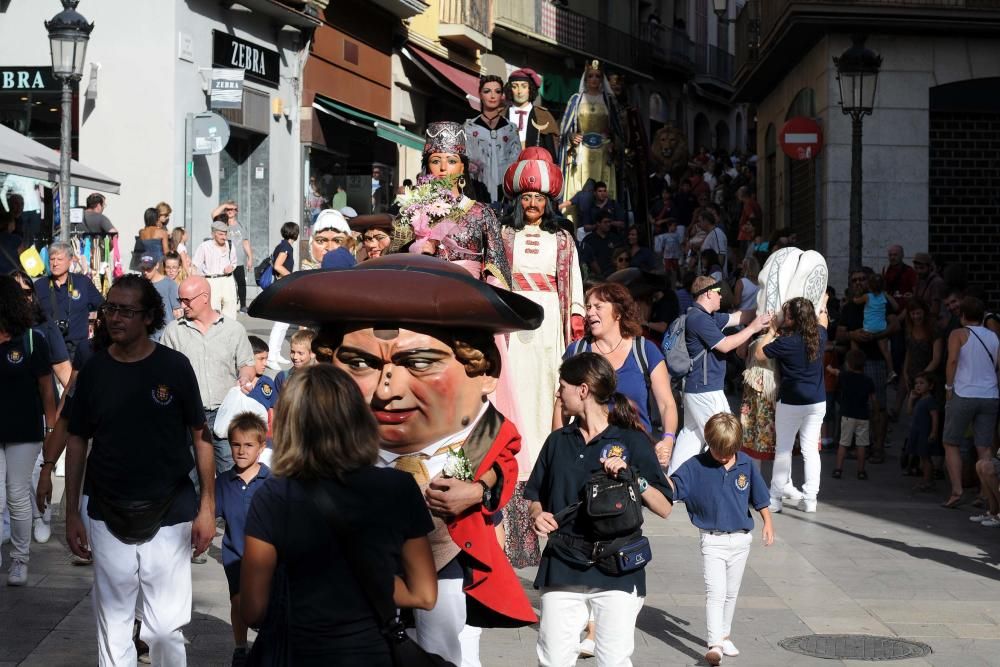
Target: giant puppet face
{"points": [[422, 385], [520, 91]]}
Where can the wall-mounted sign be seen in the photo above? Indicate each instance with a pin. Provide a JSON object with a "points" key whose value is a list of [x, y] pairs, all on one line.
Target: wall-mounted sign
{"points": [[227, 89], [801, 138], [261, 64], [211, 133], [28, 79]]}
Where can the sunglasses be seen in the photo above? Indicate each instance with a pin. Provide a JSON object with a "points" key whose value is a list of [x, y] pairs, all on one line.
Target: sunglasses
{"points": [[113, 309], [187, 300]]}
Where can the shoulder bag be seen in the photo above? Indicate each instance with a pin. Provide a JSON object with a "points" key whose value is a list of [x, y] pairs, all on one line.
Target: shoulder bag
{"points": [[405, 652]]}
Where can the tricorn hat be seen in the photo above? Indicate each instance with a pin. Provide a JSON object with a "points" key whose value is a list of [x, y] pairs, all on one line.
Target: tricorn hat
{"points": [[445, 137], [397, 290], [534, 171]]}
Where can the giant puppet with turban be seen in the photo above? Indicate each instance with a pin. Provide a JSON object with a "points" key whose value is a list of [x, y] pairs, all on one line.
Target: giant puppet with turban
{"points": [[544, 268]]}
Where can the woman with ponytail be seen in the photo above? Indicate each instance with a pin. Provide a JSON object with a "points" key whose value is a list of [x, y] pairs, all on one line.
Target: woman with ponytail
{"points": [[605, 434]]}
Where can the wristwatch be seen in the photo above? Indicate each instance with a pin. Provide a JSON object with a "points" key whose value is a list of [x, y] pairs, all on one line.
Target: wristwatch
{"points": [[487, 492], [643, 484]]}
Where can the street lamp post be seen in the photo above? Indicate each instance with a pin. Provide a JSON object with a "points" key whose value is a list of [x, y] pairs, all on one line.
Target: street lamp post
{"points": [[857, 74], [721, 8], [69, 33]]}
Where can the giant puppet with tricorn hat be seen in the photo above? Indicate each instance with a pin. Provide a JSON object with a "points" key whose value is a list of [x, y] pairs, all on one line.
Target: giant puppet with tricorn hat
{"points": [[536, 126], [417, 335]]}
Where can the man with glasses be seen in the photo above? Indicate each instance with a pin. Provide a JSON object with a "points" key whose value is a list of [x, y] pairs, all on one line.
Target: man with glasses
{"points": [[216, 260], [140, 514], [219, 351], [237, 236], [707, 345], [67, 299], [850, 330]]}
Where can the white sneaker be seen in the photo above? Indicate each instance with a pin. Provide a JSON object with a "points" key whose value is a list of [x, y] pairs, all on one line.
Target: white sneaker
{"points": [[979, 518], [792, 494], [774, 507], [18, 575], [714, 656], [586, 648], [42, 530], [729, 648], [273, 364], [993, 522], [807, 505]]}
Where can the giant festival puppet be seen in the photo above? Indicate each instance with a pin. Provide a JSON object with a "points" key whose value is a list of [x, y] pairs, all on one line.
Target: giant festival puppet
{"points": [[535, 124], [591, 134], [417, 335], [492, 142], [787, 273], [633, 166]]}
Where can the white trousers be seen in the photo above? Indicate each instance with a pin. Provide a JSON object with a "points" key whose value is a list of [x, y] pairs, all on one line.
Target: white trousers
{"points": [[443, 631], [276, 340], [159, 570], [724, 557], [698, 409], [807, 422], [224, 296], [17, 459], [565, 612]]}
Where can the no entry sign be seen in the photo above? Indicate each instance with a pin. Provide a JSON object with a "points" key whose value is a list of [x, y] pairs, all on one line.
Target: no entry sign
{"points": [[801, 138]]}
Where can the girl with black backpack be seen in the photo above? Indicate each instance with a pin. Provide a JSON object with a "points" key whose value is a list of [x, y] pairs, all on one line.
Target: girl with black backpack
{"points": [[587, 488]]}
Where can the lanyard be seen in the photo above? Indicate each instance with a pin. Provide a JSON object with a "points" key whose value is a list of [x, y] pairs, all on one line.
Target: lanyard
{"points": [[53, 296]]}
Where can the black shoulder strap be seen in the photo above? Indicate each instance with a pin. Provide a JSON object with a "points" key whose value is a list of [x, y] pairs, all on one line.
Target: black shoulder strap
{"points": [[988, 353]]}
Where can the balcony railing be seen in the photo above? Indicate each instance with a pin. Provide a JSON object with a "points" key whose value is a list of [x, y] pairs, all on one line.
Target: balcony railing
{"points": [[716, 63], [669, 46], [472, 13]]}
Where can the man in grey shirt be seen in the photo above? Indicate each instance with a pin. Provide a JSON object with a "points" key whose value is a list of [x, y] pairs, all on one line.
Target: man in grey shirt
{"points": [[219, 352], [94, 220]]}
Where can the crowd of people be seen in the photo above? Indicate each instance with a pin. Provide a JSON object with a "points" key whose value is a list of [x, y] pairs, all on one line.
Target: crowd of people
{"points": [[462, 392]]}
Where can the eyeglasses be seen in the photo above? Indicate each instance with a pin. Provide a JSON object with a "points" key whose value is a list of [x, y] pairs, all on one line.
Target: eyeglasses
{"points": [[187, 300], [114, 310], [377, 238]]}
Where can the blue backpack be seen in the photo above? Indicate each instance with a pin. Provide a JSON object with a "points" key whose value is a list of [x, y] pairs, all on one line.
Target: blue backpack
{"points": [[675, 351]]}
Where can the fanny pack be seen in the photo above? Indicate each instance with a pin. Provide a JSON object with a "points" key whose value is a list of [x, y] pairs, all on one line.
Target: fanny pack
{"points": [[134, 521], [614, 558]]}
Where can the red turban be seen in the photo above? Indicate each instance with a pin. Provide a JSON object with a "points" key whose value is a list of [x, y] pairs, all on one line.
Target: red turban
{"points": [[534, 171]]}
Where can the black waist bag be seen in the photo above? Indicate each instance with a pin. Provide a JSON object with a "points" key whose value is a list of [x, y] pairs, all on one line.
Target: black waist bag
{"points": [[612, 505], [134, 521]]}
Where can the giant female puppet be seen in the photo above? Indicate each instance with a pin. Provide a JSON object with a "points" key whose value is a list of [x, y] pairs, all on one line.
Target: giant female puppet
{"points": [[417, 335], [492, 142], [591, 134], [545, 269]]}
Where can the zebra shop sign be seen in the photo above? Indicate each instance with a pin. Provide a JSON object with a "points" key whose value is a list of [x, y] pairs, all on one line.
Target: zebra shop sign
{"points": [[259, 63], [27, 79]]}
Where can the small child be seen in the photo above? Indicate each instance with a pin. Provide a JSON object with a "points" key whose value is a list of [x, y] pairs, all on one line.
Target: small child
{"points": [[718, 488], [857, 395], [875, 302], [263, 390], [924, 422], [300, 353], [233, 491], [669, 244]]}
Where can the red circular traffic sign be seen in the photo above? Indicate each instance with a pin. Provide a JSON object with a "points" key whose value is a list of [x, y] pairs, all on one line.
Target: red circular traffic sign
{"points": [[801, 138]]}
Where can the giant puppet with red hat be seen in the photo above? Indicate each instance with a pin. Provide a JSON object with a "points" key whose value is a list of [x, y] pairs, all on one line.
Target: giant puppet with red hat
{"points": [[545, 270], [536, 126]]}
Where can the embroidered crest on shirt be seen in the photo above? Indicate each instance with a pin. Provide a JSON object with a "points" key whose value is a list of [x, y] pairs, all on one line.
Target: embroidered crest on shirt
{"points": [[75, 295], [742, 482], [614, 449], [15, 356], [266, 389], [162, 395]]}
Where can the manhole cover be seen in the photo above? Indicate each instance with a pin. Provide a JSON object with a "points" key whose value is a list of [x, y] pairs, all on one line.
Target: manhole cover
{"points": [[855, 647]]}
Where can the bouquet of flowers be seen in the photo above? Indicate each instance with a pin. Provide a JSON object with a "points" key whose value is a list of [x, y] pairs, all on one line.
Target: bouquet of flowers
{"points": [[425, 209], [458, 466]]}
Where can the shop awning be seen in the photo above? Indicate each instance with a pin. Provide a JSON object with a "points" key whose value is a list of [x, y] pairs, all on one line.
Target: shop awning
{"points": [[24, 156], [445, 74], [382, 128]]}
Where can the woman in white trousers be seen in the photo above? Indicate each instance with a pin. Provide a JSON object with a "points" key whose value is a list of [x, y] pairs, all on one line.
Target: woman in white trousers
{"points": [[796, 345]]}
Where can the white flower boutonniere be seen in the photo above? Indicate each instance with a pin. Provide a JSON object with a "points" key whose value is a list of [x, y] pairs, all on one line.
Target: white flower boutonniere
{"points": [[458, 466]]}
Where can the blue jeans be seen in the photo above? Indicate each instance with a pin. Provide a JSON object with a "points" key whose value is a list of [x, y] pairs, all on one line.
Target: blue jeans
{"points": [[223, 453]]}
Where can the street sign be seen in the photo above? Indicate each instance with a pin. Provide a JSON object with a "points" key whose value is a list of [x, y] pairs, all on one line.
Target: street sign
{"points": [[801, 138], [211, 133]]}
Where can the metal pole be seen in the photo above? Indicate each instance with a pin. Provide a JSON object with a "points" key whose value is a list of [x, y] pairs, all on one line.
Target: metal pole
{"points": [[189, 175], [65, 156], [855, 230]]}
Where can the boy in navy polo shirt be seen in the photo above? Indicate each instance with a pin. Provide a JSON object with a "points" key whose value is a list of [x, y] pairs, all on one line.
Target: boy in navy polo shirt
{"points": [[264, 391], [234, 490], [719, 487]]}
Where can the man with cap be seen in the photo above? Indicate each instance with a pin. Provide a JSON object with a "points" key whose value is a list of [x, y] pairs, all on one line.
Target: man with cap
{"points": [[215, 260], [426, 372], [535, 125], [708, 346], [545, 269]]}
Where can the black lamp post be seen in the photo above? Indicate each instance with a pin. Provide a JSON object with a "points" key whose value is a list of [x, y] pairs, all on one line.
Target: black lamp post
{"points": [[721, 8], [69, 33], [857, 74]]}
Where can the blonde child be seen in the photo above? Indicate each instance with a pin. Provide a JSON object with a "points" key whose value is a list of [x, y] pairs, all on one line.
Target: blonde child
{"points": [[233, 490], [300, 353], [719, 488]]}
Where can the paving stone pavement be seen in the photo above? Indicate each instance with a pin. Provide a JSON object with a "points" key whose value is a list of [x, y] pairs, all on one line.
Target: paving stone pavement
{"points": [[875, 559]]}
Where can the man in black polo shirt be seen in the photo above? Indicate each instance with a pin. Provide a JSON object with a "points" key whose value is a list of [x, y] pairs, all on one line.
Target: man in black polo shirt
{"points": [[67, 299], [138, 502], [850, 329], [600, 244]]}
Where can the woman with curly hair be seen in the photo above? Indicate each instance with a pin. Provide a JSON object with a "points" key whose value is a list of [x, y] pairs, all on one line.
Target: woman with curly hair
{"points": [[797, 348], [28, 396]]}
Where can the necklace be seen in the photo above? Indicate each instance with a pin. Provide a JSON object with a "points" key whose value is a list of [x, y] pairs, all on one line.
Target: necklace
{"points": [[612, 350], [491, 120]]}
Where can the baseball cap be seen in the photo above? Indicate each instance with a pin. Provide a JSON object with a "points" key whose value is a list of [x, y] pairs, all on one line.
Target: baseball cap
{"points": [[349, 212], [220, 227], [331, 219], [147, 262]]}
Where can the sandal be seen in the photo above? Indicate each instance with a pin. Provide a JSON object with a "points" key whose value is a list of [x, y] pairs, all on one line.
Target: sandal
{"points": [[837, 473], [862, 475], [953, 501]]}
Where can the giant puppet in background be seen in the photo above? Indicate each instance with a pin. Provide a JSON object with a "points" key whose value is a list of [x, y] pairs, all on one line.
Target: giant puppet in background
{"points": [[492, 142], [417, 336], [535, 125], [590, 134], [633, 166]]}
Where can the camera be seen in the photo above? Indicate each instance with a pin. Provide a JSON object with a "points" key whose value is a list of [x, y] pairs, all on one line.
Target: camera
{"points": [[63, 327]]}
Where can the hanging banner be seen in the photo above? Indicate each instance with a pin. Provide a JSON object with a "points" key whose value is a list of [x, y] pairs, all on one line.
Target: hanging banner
{"points": [[227, 89]]}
